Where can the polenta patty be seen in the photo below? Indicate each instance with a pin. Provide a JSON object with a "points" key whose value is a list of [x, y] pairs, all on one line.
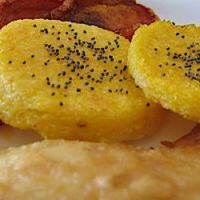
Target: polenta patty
{"points": [[164, 59], [68, 80]]}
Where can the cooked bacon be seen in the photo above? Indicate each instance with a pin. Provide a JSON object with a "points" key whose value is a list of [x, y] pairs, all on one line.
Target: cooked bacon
{"points": [[120, 16], [104, 2], [191, 139], [22, 9]]}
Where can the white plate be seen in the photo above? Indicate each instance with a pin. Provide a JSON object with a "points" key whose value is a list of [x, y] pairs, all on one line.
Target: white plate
{"points": [[179, 11]]}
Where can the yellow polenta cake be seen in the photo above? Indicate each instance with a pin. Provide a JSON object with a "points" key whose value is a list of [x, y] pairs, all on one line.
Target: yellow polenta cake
{"points": [[68, 80], [164, 59]]}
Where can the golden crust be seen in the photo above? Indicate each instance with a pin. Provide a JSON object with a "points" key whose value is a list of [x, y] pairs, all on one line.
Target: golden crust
{"points": [[164, 60], [48, 92], [76, 170]]}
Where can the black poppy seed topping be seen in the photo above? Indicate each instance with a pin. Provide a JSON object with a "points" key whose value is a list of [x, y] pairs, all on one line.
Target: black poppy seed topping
{"points": [[61, 104], [148, 104], [125, 68], [78, 90], [163, 74], [120, 61], [73, 55], [188, 61]]}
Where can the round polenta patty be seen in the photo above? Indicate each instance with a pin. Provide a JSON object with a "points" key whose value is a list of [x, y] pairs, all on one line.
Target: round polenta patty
{"points": [[68, 80], [164, 59]]}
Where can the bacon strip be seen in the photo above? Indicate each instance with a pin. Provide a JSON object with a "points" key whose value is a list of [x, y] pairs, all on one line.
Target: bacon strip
{"points": [[120, 16], [190, 139], [24, 9]]}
